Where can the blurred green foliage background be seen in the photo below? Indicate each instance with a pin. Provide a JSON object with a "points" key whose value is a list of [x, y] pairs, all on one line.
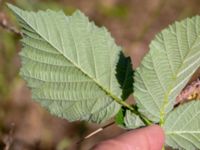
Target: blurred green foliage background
{"points": [[24, 125]]}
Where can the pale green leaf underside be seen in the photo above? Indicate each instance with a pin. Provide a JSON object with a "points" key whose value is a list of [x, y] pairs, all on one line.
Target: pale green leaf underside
{"points": [[173, 57], [132, 120], [69, 63], [182, 127]]}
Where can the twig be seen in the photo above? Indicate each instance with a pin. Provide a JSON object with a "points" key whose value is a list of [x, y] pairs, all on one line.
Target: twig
{"points": [[9, 139], [95, 132], [4, 24]]}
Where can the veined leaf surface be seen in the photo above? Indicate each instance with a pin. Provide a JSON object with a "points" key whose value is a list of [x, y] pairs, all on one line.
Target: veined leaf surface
{"points": [[128, 120], [173, 57], [70, 65], [132, 120], [182, 127]]}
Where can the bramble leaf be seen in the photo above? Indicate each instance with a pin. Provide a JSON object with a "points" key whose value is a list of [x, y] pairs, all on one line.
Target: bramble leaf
{"points": [[173, 57], [76, 70], [70, 65]]}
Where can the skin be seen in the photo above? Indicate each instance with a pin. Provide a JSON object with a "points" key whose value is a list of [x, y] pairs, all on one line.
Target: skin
{"points": [[148, 138]]}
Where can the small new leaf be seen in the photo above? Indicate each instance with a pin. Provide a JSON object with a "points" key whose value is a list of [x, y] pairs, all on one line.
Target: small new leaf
{"points": [[132, 121], [128, 120]]}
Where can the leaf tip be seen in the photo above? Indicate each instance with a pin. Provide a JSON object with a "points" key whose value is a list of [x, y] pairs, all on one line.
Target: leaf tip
{"points": [[13, 8]]}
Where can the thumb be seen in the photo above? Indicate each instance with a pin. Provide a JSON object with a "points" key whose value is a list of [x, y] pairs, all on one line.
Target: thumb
{"points": [[148, 138]]}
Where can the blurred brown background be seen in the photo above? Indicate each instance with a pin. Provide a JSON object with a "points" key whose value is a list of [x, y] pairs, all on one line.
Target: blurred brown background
{"points": [[24, 125]]}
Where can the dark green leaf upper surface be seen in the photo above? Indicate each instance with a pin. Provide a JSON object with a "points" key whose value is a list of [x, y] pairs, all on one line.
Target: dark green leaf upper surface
{"points": [[124, 74]]}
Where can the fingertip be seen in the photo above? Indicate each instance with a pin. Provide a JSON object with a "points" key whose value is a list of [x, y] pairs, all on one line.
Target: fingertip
{"points": [[148, 138], [111, 144], [156, 137]]}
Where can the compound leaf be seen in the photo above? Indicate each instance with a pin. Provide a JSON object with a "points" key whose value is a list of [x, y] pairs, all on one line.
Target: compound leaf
{"points": [[173, 57], [182, 127], [70, 65]]}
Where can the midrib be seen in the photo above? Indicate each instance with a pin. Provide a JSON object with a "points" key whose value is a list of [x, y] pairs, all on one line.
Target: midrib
{"points": [[171, 88], [118, 100]]}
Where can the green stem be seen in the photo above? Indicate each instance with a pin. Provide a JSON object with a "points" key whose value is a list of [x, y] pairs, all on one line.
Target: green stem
{"points": [[145, 120], [163, 148], [133, 110]]}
